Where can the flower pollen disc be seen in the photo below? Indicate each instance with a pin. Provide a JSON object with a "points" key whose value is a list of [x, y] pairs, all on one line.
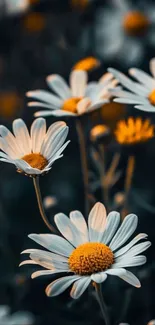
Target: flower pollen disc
{"points": [[36, 160], [91, 258]]}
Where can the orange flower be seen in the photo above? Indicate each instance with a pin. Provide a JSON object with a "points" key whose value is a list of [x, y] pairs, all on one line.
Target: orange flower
{"points": [[87, 64]]}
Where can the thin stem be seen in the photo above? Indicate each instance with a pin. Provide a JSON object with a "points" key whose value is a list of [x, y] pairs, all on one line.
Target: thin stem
{"points": [[104, 186], [128, 182], [40, 204], [102, 304], [84, 165]]}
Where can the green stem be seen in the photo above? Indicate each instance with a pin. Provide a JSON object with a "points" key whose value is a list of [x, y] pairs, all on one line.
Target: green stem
{"points": [[128, 183], [40, 204], [84, 166], [102, 304]]}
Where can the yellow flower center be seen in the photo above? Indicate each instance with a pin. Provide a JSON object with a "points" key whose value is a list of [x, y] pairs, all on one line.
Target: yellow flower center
{"points": [[36, 160], [135, 22], [98, 131], [70, 104], [151, 97], [90, 258], [87, 64], [134, 131]]}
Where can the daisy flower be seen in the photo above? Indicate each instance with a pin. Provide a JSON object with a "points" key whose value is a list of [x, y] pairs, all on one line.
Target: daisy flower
{"points": [[123, 31], [75, 100], [88, 253], [141, 94], [18, 318], [34, 153], [16, 7], [134, 131]]}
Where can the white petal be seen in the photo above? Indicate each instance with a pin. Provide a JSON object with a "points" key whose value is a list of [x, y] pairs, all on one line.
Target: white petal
{"points": [[51, 107], [53, 131], [125, 261], [7, 149], [99, 277], [43, 113], [58, 154], [116, 272], [83, 105], [46, 272], [4, 310], [78, 82], [46, 262], [127, 95], [137, 249], [79, 222], [38, 131], [152, 66], [52, 256], [128, 83], [55, 143], [53, 243], [128, 246], [22, 136], [97, 105], [67, 229], [97, 222], [143, 77], [57, 112], [146, 108], [27, 262], [79, 287], [58, 286], [58, 84], [46, 97], [131, 279], [126, 229], [11, 141], [113, 221], [20, 318]]}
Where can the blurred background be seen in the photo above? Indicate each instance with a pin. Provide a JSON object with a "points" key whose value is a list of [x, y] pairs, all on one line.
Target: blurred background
{"points": [[43, 37]]}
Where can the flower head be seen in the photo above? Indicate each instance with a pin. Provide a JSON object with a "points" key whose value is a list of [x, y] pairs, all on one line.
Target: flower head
{"points": [[134, 131], [89, 253], [78, 99], [34, 153], [99, 131], [87, 64], [141, 94], [125, 29]]}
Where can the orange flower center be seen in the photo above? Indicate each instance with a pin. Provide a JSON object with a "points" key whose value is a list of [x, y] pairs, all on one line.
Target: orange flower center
{"points": [[151, 97], [135, 22], [34, 22], [36, 160], [87, 64], [70, 104], [99, 131], [90, 258]]}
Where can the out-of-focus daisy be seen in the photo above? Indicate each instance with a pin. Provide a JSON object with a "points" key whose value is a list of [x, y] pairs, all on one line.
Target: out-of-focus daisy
{"points": [[10, 102], [134, 131], [18, 318], [89, 253], [99, 132], [50, 202], [34, 22], [87, 64], [16, 7], [124, 30], [78, 99], [34, 153], [141, 94]]}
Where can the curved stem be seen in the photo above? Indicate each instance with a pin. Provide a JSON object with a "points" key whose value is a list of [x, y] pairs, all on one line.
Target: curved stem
{"points": [[128, 182], [102, 304], [40, 204], [84, 166]]}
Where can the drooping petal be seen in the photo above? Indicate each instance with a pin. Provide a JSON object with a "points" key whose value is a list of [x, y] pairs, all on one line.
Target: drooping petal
{"points": [[53, 243], [97, 222], [58, 286], [131, 279], [80, 286], [45, 272], [137, 249], [52, 256], [126, 229]]}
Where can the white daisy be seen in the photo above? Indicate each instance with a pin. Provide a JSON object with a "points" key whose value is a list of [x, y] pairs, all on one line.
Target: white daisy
{"points": [[75, 100], [141, 94], [88, 253], [18, 318], [16, 7], [34, 153], [124, 30]]}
